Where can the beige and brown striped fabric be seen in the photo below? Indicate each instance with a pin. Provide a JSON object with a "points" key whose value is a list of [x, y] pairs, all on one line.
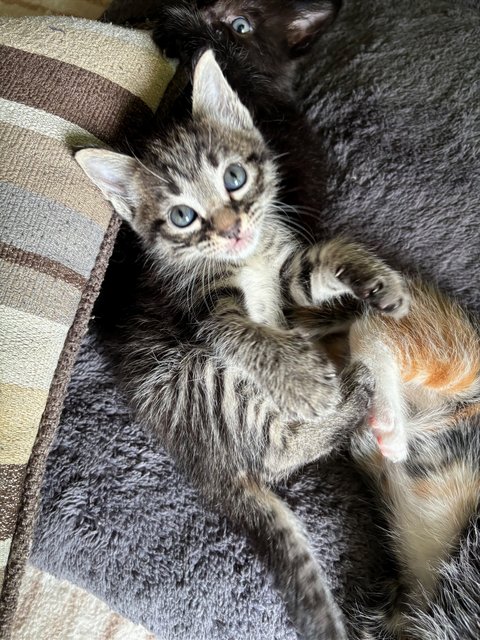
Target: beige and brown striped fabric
{"points": [[52, 609], [79, 8], [63, 82]]}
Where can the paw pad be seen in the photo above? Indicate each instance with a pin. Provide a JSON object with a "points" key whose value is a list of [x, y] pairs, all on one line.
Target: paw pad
{"points": [[391, 440]]}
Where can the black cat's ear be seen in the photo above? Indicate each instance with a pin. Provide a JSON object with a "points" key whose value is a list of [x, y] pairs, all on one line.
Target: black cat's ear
{"points": [[115, 175], [214, 99], [309, 21]]}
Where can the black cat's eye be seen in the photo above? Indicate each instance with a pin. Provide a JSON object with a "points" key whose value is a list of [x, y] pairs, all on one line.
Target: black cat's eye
{"points": [[182, 216], [241, 25], [234, 177]]}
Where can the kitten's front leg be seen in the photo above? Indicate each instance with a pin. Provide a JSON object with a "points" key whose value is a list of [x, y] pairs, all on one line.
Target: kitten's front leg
{"points": [[299, 378], [334, 268], [181, 32], [294, 444]]}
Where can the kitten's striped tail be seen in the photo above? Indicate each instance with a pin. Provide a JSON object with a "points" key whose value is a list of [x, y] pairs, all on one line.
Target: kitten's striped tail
{"points": [[297, 574]]}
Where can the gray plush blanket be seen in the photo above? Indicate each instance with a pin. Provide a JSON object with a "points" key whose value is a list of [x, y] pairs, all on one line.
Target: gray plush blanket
{"points": [[120, 521], [395, 93], [397, 96]]}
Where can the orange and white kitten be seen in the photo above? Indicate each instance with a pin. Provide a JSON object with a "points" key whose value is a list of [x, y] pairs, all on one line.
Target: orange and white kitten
{"points": [[422, 455]]}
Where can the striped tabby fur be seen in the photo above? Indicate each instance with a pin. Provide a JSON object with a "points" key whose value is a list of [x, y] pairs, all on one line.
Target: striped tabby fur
{"points": [[239, 397]]}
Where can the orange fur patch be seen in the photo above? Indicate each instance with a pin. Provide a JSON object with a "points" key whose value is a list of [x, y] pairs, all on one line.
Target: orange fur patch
{"points": [[457, 488], [445, 376], [464, 383], [436, 344], [424, 487]]}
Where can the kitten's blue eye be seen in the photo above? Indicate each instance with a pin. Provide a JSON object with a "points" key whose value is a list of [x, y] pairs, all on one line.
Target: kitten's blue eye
{"points": [[234, 177], [241, 25], [182, 216]]}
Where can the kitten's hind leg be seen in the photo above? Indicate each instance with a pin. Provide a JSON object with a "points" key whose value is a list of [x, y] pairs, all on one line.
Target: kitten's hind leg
{"points": [[388, 411]]}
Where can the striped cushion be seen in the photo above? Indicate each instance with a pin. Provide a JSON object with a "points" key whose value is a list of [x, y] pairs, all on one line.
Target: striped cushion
{"points": [[63, 82], [81, 8], [53, 609]]}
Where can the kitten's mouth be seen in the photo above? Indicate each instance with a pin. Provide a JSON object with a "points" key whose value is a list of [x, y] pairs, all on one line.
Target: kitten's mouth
{"points": [[243, 244]]}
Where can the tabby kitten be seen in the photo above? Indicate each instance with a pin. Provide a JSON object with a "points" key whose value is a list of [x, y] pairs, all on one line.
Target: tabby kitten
{"points": [[238, 397], [251, 46]]}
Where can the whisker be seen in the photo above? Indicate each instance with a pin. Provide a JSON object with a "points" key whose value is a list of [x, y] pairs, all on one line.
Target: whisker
{"points": [[294, 223], [145, 166]]}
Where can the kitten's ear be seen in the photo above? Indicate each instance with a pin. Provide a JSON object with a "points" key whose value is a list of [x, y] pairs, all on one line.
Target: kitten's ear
{"points": [[114, 174], [213, 97], [309, 21]]}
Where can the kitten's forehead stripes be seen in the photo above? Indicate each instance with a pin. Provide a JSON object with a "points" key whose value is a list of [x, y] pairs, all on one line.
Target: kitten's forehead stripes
{"points": [[172, 186], [187, 152], [256, 158], [176, 169], [212, 158]]}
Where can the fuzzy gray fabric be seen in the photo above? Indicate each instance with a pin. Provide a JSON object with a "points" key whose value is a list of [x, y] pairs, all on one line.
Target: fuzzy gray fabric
{"points": [[397, 96], [118, 520]]}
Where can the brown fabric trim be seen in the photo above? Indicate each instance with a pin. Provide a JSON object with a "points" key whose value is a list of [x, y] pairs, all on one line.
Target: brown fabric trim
{"points": [[36, 466], [11, 480], [70, 92], [39, 263]]}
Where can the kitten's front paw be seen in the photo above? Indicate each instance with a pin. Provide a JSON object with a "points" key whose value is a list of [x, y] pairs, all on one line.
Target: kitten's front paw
{"points": [[169, 42], [307, 382], [182, 32], [389, 433], [358, 387], [178, 32], [380, 287]]}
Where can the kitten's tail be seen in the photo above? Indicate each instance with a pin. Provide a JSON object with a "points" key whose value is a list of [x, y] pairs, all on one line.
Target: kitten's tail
{"points": [[297, 574], [454, 613]]}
